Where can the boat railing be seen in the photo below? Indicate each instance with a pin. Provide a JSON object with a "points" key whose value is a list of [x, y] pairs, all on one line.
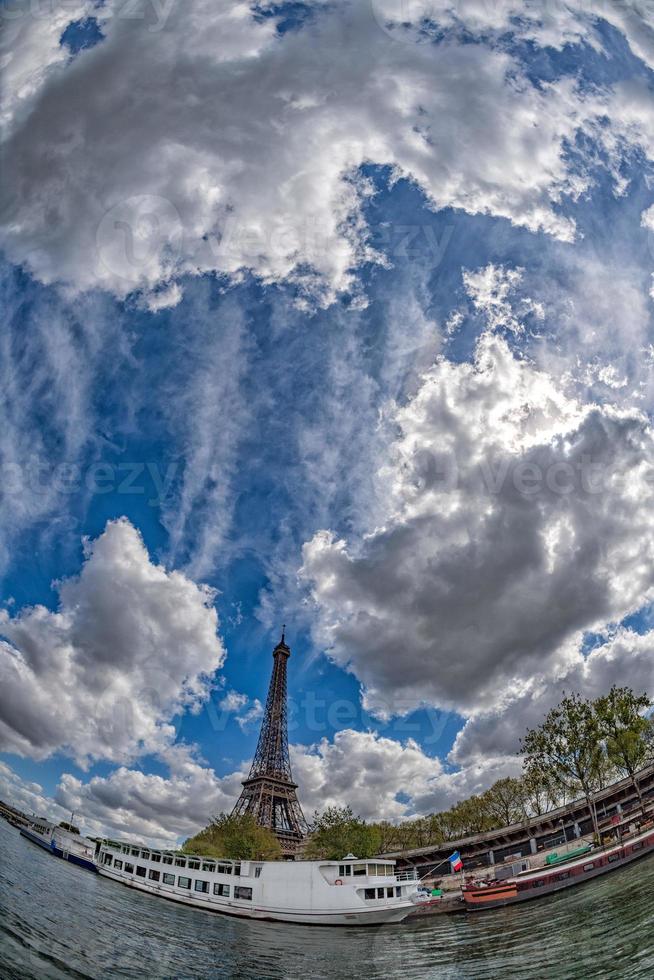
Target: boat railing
{"points": [[409, 875]]}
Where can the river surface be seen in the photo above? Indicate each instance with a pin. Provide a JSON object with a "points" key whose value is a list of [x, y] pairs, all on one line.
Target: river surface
{"points": [[60, 921]]}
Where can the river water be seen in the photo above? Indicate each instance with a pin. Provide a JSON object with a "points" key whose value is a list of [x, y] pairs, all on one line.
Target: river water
{"points": [[60, 921]]}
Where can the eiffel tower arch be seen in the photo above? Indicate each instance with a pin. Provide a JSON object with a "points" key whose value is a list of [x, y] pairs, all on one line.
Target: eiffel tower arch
{"points": [[269, 793]]}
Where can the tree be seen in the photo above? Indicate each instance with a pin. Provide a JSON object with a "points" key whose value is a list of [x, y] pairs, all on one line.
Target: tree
{"points": [[566, 749], [626, 732], [337, 832], [505, 802], [540, 795], [235, 837], [468, 817]]}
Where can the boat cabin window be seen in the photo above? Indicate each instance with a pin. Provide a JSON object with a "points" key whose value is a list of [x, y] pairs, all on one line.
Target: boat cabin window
{"points": [[257, 872], [539, 883], [369, 894], [358, 869], [588, 867], [224, 869], [195, 865], [237, 869], [135, 852], [613, 857], [141, 871], [184, 882], [241, 892], [129, 868], [154, 875], [168, 879], [380, 869], [180, 863], [201, 886], [145, 855], [344, 870], [389, 893], [167, 859], [206, 866], [220, 889], [562, 877], [637, 847], [125, 849], [107, 860], [156, 857], [398, 891], [118, 865], [380, 893]]}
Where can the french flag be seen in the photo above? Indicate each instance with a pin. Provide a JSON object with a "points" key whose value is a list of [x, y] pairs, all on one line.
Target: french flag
{"points": [[456, 863]]}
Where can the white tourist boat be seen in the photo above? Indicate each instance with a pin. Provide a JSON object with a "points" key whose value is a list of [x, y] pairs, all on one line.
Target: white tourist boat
{"points": [[61, 843], [342, 893]]}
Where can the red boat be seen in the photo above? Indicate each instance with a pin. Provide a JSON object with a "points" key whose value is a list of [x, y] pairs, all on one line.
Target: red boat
{"points": [[544, 881]]}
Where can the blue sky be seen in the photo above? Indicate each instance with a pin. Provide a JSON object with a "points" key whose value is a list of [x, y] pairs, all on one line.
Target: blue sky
{"points": [[255, 319]]}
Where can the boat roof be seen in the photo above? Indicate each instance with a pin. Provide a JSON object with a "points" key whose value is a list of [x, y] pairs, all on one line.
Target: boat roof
{"points": [[350, 859]]}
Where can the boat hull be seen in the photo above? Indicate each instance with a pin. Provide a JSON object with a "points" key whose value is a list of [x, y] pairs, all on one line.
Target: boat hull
{"points": [[556, 879], [51, 847]]}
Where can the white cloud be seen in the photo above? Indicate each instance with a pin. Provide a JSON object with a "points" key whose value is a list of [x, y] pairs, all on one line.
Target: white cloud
{"points": [[236, 704], [515, 518], [161, 810], [130, 646], [252, 159]]}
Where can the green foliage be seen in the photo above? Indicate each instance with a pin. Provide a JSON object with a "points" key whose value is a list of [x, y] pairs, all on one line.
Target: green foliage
{"points": [[337, 832], [626, 732], [236, 838], [70, 827], [505, 803]]}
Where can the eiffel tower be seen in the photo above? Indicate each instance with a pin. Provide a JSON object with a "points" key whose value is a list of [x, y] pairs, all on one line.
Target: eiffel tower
{"points": [[269, 791]]}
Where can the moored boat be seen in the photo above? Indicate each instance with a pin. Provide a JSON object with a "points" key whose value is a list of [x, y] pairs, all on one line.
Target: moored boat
{"points": [[346, 892], [544, 881], [61, 843]]}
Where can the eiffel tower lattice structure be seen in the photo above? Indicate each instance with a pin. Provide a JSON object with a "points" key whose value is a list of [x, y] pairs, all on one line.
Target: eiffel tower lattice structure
{"points": [[269, 793]]}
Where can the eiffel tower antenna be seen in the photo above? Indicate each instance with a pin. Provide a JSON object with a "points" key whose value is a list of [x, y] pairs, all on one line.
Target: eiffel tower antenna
{"points": [[269, 791]]}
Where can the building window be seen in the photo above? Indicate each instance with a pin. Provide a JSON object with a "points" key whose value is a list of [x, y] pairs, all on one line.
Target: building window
{"points": [[369, 894], [224, 869], [118, 865], [156, 857], [140, 870], [129, 868], [241, 892], [153, 875], [201, 886], [168, 879], [184, 882], [220, 889], [180, 863]]}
